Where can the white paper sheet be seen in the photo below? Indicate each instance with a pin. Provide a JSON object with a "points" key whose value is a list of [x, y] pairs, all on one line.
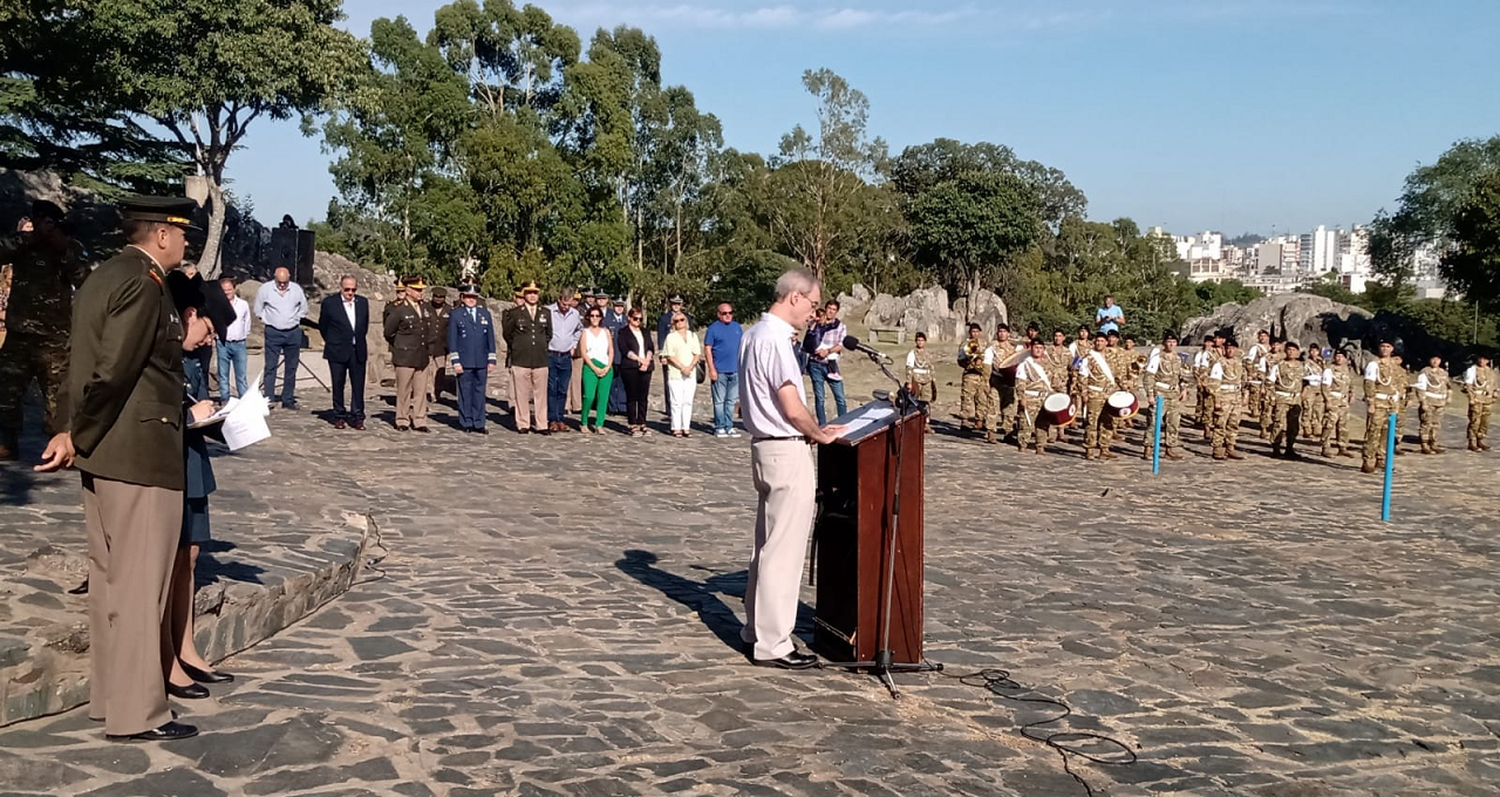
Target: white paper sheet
{"points": [[245, 419]]}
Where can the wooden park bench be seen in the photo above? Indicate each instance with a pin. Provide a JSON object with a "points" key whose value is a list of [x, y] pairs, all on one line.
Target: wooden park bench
{"points": [[896, 334]]}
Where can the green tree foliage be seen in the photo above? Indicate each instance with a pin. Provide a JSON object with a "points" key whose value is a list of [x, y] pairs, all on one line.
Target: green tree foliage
{"points": [[1472, 266], [967, 230], [1429, 207]]}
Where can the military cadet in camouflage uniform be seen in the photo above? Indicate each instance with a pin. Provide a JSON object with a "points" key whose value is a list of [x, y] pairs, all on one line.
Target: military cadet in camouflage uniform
{"points": [[1403, 397], [1098, 377], [1255, 375], [1060, 372], [46, 267], [1276, 354], [1312, 393], [1167, 378], [1002, 384], [1227, 382], [1203, 363], [973, 357], [1432, 397], [1481, 384], [1033, 386], [1338, 391], [1285, 384], [919, 372], [1382, 396]]}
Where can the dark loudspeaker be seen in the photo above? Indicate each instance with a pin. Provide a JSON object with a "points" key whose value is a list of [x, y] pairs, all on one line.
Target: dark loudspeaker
{"points": [[292, 249]]}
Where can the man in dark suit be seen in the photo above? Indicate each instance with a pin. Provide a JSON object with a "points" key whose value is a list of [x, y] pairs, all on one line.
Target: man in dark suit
{"points": [[121, 418], [471, 351], [344, 321]]}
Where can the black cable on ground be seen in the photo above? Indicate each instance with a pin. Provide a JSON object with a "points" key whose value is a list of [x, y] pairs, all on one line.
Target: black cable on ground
{"points": [[1067, 743]]}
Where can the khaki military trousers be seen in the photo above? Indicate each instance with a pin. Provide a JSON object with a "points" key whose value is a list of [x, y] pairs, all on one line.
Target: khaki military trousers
{"points": [[531, 391], [1430, 422], [1313, 408], [132, 535], [1206, 410], [1099, 432], [28, 356], [1255, 395], [1336, 427], [435, 366], [1002, 405], [1479, 421], [786, 483], [970, 398], [1286, 423], [1227, 413], [411, 397], [1171, 421], [1027, 431], [1377, 424]]}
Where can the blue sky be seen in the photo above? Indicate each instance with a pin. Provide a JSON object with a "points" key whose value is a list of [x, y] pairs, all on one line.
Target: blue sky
{"points": [[1191, 114]]}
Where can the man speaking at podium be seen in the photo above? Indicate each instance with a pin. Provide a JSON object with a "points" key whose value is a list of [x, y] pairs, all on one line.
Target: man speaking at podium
{"points": [[774, 409]]}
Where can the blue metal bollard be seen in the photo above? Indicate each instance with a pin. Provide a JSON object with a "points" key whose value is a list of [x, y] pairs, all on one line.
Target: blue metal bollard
{"points": [[1390, 465], [1156, 449]]}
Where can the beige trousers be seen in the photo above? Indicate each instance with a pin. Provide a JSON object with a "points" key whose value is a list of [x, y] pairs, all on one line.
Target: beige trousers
{"points": [[786, 480], [132, 533], [531, 391], [411, 397]]}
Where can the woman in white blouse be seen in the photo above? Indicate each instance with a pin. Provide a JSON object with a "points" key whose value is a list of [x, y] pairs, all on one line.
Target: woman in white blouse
{"points": [[681, 353]]}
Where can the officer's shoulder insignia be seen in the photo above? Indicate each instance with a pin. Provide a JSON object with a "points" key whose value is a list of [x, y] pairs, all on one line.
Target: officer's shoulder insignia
{"points": [[155, 277]]}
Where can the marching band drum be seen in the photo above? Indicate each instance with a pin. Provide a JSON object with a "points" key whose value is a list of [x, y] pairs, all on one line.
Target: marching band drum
{"points": [[1059, 410], [1122, 404]]}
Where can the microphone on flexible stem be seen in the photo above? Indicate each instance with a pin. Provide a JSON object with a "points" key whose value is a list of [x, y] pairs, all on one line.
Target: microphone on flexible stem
{"points": [[855, 344]]}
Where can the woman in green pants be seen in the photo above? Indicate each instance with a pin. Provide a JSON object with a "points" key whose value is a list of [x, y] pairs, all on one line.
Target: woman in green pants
{"points": [[597, 349]]}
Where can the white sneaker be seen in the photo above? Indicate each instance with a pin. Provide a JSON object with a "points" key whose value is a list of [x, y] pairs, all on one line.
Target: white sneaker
{"points": [[720, 433], [735, 433]]}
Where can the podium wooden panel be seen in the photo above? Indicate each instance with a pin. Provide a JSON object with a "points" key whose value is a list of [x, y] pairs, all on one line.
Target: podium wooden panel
{"points": [[856, 479]]}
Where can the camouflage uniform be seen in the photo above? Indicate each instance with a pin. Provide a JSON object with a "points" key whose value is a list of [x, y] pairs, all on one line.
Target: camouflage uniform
{"points": [[1432, 398], [1097, 376], [1203, 364], [972, 393], [1033, 385], [1286, 386], [919, 371], [1060, 373], [1312, 397], [1001, 397], [1255, 381], [1481, 385], [1226, 381], [1165, 377], [1267, 406], [1383, 397], [38, 314], [1338, 390]]}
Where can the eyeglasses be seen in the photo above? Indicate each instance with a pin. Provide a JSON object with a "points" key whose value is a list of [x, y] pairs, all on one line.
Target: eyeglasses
{"points": [[635, 318], [349, 290], [726, 312]]}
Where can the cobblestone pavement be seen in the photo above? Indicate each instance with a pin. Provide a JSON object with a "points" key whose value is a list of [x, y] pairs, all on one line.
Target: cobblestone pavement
{"points": [[557, 616]]}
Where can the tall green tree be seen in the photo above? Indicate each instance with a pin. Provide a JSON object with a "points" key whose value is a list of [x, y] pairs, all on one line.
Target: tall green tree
{"points": [[1428, 209], [966, 231], [1472, 266]]}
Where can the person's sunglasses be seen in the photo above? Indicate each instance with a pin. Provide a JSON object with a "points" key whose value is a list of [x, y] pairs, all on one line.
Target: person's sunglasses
{"points": [[349, 290], [726, 312]]}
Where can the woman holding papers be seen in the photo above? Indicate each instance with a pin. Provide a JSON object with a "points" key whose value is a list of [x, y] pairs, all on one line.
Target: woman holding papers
{"points": [[187, 667]]}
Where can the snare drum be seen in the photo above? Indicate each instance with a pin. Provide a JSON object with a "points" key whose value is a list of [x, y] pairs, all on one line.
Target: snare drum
{"points": [[1059, 410], [1122, 404]]}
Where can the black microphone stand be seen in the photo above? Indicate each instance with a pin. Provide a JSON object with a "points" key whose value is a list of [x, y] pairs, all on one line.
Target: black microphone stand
{"points": [[884, 662]]}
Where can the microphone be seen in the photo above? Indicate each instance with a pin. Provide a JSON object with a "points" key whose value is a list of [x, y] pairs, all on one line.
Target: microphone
{"points": [[852, 343]]}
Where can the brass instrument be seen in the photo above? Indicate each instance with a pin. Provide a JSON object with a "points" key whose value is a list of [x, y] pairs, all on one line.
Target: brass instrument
{"points": [[972, 358], [1139, 366]]}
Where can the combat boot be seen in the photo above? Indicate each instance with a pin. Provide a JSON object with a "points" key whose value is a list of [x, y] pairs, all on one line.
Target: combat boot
{"points": [[1233, 453], [1219, 453], [1275, 451], [1175, 455], [1473, 445], [1425, 449], [1346, 453], [1090, 453], [1483, 446], [1105, 453], [1436, 449], [989, 436], [1327, 452], [1040, 449], [1368, 467], [1146, 453]]}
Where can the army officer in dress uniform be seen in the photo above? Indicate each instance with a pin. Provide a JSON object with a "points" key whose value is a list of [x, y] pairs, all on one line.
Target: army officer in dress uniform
{"points": [[471, 352], [122, 417]]}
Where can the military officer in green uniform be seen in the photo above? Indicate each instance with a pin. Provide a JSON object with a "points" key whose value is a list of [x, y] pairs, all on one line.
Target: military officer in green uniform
{"points": [[46, 267], [1166, 377], [121, 414]]}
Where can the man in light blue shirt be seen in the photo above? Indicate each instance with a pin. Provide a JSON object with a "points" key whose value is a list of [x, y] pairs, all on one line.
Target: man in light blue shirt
{"points": [[281, 305], [567, 327], [1109, 317], [721, 343]]}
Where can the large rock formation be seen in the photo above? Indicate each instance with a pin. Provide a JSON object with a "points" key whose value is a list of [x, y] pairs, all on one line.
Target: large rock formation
{"points": [[1304, 318], [927, 310], [984, 308]]}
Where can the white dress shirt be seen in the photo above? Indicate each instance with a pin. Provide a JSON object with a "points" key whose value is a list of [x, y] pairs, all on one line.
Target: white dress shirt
{"points": [[768, 361], [240, 329]]}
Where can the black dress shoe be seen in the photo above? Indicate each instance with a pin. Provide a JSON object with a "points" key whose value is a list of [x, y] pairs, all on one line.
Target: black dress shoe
{"points": [[423, 429], [170, 732], [791, 661], [206, 676], [189, 692]]}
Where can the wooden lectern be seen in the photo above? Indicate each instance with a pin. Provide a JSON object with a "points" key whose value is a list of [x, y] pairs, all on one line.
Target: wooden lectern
{"points": [[857, 478]]}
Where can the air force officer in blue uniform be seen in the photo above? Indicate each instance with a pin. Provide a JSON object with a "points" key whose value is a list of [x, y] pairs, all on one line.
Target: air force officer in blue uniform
{"points": [[471, 347]]}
